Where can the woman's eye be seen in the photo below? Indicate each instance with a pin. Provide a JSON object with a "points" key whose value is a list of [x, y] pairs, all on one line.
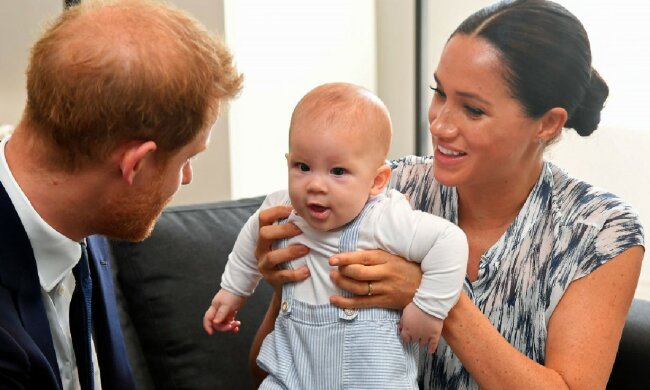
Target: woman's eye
{"points": [[474, 112], [338, 171], [437, 92], [303, 167]]}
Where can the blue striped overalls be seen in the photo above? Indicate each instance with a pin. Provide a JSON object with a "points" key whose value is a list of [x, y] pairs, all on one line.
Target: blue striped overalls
{"points": [[324, 347]]}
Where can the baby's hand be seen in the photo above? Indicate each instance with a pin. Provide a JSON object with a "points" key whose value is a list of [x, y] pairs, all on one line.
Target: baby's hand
{"points": [[420, 327], [221, 313]]}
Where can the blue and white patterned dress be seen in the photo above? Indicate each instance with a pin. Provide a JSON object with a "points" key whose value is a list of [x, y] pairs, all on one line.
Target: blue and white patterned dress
{"points": [[565, 230]]}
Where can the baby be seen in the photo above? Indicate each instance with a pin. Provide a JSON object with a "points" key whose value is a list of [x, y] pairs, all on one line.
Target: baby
{"points": [[338, 141]]}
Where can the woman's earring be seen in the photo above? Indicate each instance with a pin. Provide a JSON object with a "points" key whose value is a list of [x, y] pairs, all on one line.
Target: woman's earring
{"points": [[539, 141]]}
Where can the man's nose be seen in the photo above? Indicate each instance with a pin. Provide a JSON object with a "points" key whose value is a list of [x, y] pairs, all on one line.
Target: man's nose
{"points": [[187, 173]]}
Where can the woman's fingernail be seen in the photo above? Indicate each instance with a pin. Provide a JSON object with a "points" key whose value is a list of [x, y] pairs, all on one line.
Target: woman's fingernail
{"points": [[334, 261]]}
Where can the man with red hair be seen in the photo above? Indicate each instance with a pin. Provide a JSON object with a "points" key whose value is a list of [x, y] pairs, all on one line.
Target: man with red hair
{"points": [[120, 96]]}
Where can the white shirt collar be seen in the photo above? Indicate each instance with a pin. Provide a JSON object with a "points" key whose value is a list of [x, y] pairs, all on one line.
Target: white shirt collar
{"points": [[55, 253]]}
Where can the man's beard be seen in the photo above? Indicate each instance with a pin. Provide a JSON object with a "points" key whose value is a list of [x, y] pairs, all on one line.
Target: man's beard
{"points": [[133, 218]]}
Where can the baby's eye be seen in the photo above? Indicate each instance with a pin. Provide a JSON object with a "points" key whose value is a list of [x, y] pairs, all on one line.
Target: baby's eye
{"points": [[338, 171], [303, 167]]}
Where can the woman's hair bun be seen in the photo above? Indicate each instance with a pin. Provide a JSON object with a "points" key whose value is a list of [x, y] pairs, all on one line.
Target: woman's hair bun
{"points": [[586, 116]]}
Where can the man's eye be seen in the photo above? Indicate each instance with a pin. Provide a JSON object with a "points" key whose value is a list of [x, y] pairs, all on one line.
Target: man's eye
{"points": [[303, 167], [338, 171]]}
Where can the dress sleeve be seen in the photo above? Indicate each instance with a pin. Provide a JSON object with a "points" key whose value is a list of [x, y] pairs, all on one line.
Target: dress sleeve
{"points": [[620, 231]]}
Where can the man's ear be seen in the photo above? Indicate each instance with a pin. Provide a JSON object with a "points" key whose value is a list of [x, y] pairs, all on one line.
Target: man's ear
{"points": [[381, 180], [551, 124], [132, 157]]}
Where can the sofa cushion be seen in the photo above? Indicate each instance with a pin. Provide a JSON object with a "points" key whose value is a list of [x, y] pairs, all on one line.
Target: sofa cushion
{"points": [[168, 281]]}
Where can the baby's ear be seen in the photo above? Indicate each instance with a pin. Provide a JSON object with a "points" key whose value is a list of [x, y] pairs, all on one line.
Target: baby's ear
{"points": [[381, 180]]}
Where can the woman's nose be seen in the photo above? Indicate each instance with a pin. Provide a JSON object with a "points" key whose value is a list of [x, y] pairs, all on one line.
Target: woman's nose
{"points": [[442, 123]]}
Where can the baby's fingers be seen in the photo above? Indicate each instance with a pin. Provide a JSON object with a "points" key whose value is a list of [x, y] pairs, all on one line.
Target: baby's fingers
{"points": [[407, 337], [221, 319], [227, 326], [222, 313], [433, 344], [207, 320], [228, 323], [404, 333]]}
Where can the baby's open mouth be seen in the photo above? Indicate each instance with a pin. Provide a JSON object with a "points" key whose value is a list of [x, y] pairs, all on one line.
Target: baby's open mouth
{"points": [[318, 212], [317, 208]]}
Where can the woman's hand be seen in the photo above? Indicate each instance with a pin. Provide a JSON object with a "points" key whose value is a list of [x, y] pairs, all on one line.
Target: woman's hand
{"points": [[268, 259], [377, 278]]}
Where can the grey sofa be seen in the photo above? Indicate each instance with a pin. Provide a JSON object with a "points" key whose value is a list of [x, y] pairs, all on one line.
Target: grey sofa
{"points": [[166, 282]]}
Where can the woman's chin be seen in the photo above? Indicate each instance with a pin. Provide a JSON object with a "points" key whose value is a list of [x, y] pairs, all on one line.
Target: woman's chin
{"points": [[446, 178]]}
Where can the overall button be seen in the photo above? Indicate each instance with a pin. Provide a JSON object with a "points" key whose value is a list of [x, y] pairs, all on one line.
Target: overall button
{"points": [[348, 312], [285, 306]]}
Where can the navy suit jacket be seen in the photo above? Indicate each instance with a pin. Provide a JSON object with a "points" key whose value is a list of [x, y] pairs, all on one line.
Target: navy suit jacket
{"points": [[27, 357]]}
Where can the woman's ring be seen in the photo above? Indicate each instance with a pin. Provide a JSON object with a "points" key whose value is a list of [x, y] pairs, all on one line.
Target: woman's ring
{"points": [[370, 291]]}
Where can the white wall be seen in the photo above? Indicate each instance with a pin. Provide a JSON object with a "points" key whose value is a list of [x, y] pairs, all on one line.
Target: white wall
{"points": [[20, 23], [212, 168], [285, 48], [396, 70]]}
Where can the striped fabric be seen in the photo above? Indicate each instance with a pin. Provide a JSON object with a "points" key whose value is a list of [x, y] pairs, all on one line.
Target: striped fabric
{"points": [[325, 347], [565, 230]]}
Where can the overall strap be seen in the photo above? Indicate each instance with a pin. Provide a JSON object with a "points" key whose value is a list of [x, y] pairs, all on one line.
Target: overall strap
{"points": [[287, 288], [348, 243]]}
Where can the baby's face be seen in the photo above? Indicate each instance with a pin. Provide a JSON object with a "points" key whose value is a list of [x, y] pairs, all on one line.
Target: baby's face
{"points": [[331, 173]]}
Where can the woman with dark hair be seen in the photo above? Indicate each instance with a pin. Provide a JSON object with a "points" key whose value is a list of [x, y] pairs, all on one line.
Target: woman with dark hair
{"points": [[553, 261]]}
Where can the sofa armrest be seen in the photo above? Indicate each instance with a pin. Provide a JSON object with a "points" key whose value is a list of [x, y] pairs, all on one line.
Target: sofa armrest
{"points": [[168, 281], [632, 366]]}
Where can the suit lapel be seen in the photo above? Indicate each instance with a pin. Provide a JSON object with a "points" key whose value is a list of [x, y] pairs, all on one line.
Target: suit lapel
{"points": [[19, 274], [109, 341]]}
